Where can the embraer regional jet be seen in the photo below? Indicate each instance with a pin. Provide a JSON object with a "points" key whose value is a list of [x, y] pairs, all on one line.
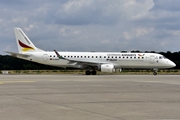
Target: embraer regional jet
{"points": [[90, 61]]}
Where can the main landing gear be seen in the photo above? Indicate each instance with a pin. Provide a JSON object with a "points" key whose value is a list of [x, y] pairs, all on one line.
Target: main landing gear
{"points": [[88, 72]]}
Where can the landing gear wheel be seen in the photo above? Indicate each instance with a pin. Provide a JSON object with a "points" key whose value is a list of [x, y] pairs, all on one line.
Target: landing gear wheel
{"points": [[93, 72], [154, 73], [88, 72]]}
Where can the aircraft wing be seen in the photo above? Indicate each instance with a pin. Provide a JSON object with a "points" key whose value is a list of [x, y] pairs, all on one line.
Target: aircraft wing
{"points": [[90, 63], [17, 54]]}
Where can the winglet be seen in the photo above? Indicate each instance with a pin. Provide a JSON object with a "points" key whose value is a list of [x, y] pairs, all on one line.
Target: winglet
{"points": [[58, 55]]}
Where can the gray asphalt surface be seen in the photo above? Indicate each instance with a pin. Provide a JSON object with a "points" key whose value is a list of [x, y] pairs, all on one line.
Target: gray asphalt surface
{"points": [[80, 97]]}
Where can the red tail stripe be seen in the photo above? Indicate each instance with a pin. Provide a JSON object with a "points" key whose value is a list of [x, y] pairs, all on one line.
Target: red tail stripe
{"points": [[23, 45]]}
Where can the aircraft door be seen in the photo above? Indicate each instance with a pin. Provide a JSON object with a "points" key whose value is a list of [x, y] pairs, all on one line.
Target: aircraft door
{"points": [[152, 59], [45, 57]]}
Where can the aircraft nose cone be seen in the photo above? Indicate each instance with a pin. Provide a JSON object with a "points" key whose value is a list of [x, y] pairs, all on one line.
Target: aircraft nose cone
{"points": [[172, 64]]}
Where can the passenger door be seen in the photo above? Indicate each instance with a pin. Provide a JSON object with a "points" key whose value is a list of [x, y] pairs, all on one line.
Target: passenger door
{"points": [[45, 57], [152, 59]]}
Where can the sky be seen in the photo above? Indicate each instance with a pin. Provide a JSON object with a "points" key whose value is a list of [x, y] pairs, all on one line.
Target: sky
{"points": [[92, 25]]}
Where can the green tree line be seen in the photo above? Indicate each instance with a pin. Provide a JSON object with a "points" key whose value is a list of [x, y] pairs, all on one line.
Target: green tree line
{"points": [[11, 63]]}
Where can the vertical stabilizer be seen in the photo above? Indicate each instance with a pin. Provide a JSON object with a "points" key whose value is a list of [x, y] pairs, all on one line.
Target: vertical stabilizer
{"points": [[24, 43]]}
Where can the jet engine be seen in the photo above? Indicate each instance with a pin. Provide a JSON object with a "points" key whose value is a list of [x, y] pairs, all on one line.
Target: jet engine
{"points": [[107, 68]]}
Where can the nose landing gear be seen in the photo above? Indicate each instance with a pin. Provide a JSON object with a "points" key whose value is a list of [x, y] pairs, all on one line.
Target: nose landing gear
{"points": [[155, 71]]}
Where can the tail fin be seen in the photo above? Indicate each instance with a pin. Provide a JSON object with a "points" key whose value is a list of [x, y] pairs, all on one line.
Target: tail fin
{"points": [[23, 42]]}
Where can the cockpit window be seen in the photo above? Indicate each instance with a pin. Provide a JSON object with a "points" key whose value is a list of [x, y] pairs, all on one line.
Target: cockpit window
{"points": [[162, 57]]}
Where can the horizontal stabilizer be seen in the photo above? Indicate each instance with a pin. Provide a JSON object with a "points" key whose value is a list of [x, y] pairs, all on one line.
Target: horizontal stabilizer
{"points": [[17, 54]]}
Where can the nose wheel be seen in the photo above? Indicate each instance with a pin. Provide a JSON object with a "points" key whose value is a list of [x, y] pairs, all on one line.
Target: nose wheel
{"points": [[155, 72]]}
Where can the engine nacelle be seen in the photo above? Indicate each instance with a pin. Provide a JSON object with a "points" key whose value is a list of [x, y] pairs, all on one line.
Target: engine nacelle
{"points": [[107, 68]]}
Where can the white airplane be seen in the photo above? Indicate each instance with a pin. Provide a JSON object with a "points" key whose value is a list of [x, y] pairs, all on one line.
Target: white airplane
{"points": [[90, 61]]}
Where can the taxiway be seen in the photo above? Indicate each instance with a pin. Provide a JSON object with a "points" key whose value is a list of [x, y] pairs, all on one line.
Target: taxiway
{"points": [[80, 97]]}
